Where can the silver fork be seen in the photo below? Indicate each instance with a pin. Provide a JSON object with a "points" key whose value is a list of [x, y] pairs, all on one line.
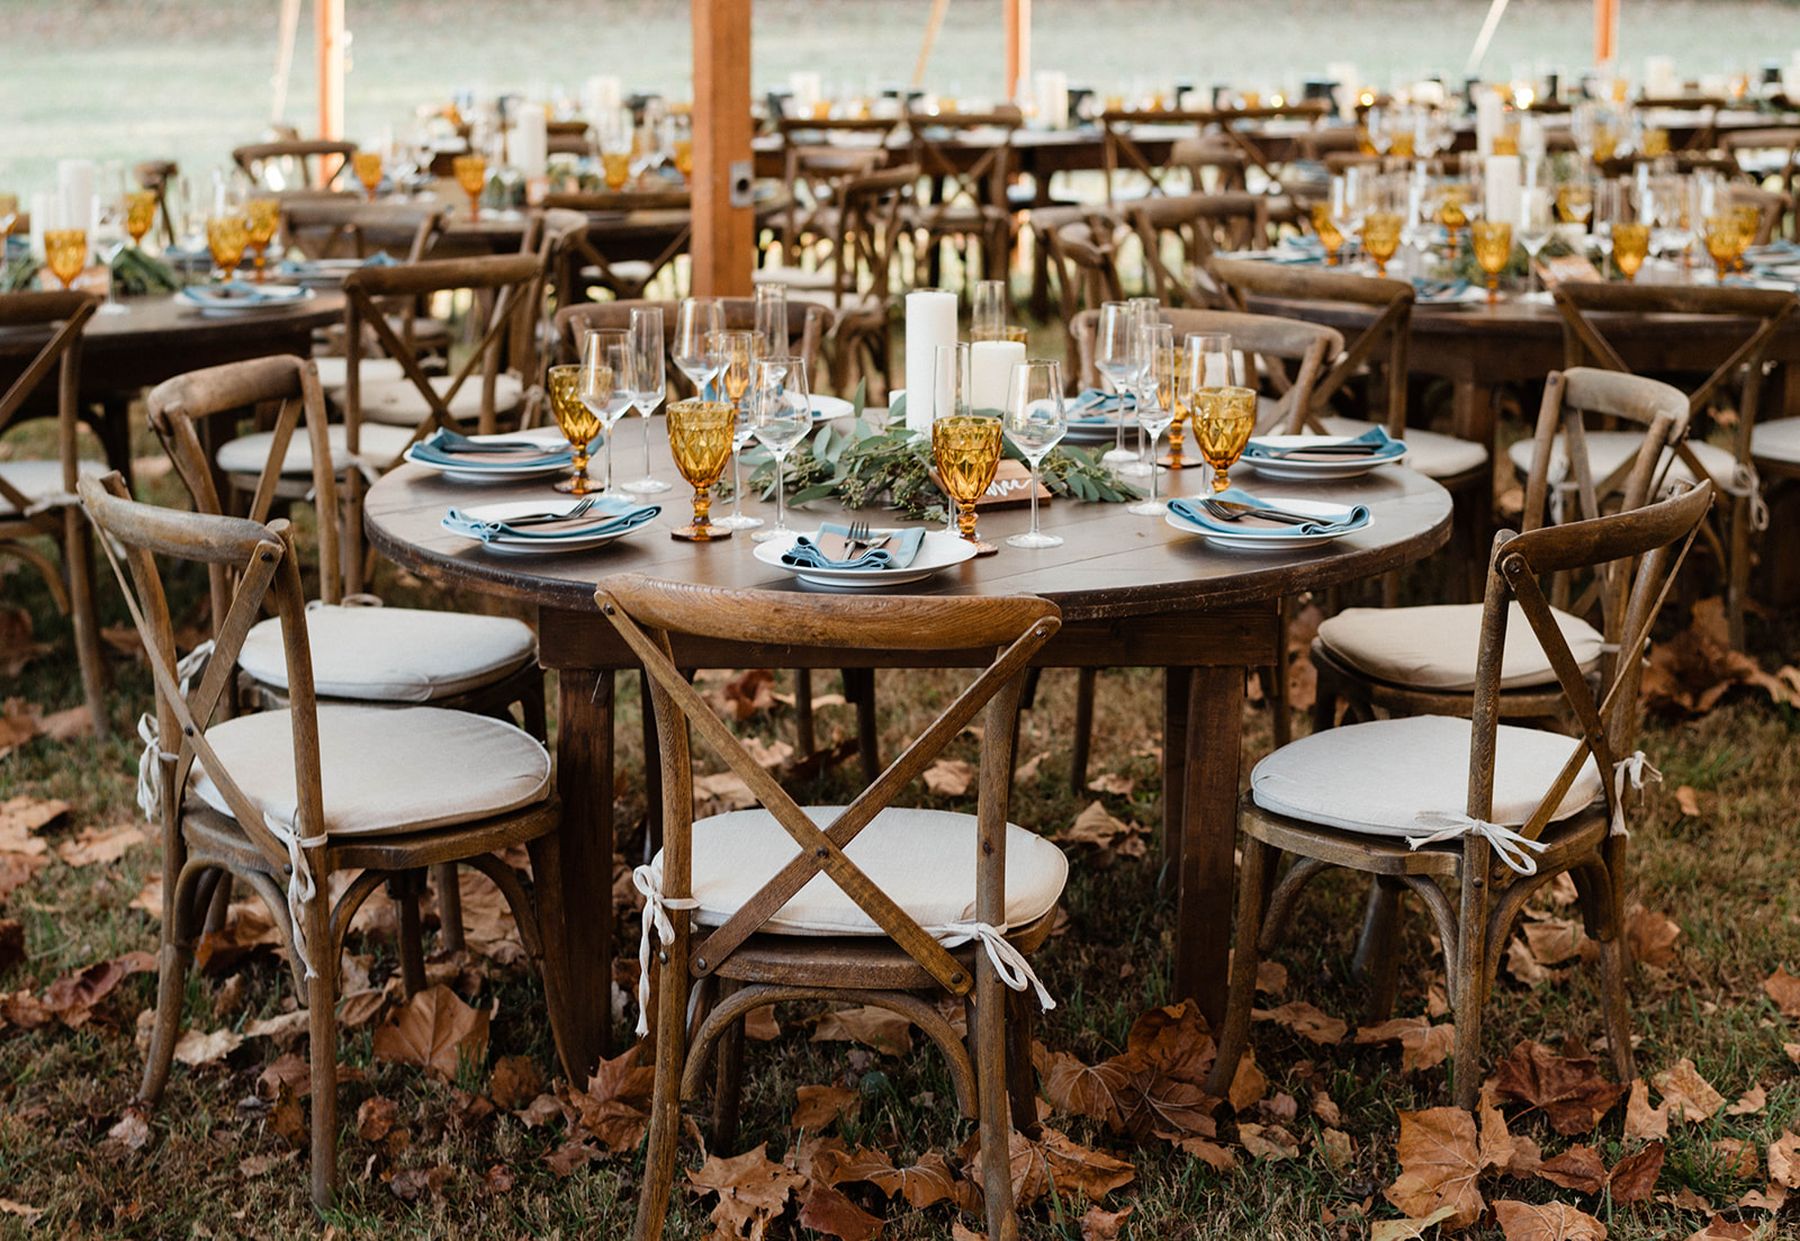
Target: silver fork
{"points": [[539, 519], [857, 540], [1225, 510]]}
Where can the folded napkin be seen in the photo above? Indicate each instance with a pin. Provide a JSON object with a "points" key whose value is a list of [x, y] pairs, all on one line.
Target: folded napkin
{"points": [[447, 448], [902, 546], [1382, 445], [1192, 511], [1093, 405], [609, 515], [237, 292], [1439, 290]]}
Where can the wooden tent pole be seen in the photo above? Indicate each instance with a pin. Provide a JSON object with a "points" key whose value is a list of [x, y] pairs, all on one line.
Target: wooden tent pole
{"points": [[932, 25], [1018, 46], [329, 15], [1606, 31], [724, 243]]}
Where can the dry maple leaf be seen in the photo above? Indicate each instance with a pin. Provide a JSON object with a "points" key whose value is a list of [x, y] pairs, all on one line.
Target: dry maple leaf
{"points": [[1784, 1160], [287, 1119], [17, 647], [1550, 1221], [752, 1190], [131, 1131], [1095, 825], [1578, 1168], [1721, 1229], [1422, 1045], [1306, 1021], [95, 844], [1271, 977], [436, 1031], [922, 1184], [1214, 1156], [748, 693], [1750, 1103], [73, 997], [1248, 1083], [1651, 937], [1102, 1225], [826, 1210], [869, 1025], [1270, 1142], [949, 777], [1496, 1145], [1738, 1159], [1073, 1168], [1112, 782], [515, 1081], [615, 1107], [1568, 1090], [1338, 1149], [1084, 1090], [1439, 1165], [1408, 1229], [488, 924], [195, 1048], [1642, 1120], [1633, 1178], [375, 1118], [23, 816], [1784, 989], [571, 1155], [817, 1107], [1326, 1109], [1554, 941], [1686, 1094]]}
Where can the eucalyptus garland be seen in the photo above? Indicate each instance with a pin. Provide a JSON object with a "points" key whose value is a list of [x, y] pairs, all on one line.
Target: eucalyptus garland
{"points": [[861, 465]]}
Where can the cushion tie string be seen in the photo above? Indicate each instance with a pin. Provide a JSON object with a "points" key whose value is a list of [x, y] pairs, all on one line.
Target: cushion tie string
{"points": [[1745, 485], [1014, 970], [192, 666], [150, 777], [648, 879], [1510, 845], [1635, 770], [301, 886]]}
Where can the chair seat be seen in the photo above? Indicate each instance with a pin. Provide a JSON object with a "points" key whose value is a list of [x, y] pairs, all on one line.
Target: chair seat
{"points": [[923, 859], [41, 480], [1379, 778], [1608, 450], [1435, 647], [957, 219], [334, 371], [247, 454], [1431, 453], [397, 402], [1777, 441], [796, 279], [380, 654], [385, 770]]}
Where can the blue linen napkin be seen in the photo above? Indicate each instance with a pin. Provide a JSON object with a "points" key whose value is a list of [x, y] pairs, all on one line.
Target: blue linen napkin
{"points": [[1093, 406], [1426, 290], [610, 516], [1385, 447], [1192, 511], [447, 448], [235, 293], [902, 546]]}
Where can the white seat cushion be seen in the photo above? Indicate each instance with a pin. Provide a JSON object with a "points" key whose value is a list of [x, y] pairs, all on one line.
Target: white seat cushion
{"points": [[1769, 441], [334, 371], [38, 480], [383, 770], [1379, 778], [394, 654], [1608, 450], [397, 402], [1436, 647], [247, 454], [1431, 453], [923, 859]]}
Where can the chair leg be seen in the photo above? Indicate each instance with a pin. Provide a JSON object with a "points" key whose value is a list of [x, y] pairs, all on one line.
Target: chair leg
{"points": [[80, 554], [1599, 890], [1021, 1080], [1737, 571], [404, 888], [805, 736], [533, 711], [449, 904], [1084, 730], [728, 1085], [218, 903], [1376, 962], [1253, 891], [321, 1002], [859, 688], [1028, 691], [1468, 983], [174, 957], [992, 1102], [1325, 702], [662, 1145]]}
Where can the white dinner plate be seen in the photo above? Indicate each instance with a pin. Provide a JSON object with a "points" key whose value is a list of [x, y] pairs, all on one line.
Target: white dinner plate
{"points": [[939, 550], [1273, 538], [825, 408], [1315, 471], [507, 509], [1101, 432], [272, 297], [500, 470]]}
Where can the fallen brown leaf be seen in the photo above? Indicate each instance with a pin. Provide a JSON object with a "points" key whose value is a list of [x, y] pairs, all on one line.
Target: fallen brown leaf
{"points": [[1214, 1156], [748, 693], [1784, 989], [827, 1211], [1687, 800], [1270, 1142], [1408, 1229], [436, 1031], [1642, 1120], [949, 777], [1422, 1045], [615, 1107], [818, 1107], [195, 1048], [1439, 1166], [515, 1081], [1721, 1229], [1784, 1160], [17, 646], [1686, 1094], [375, 1118], [1306, 1021], [885, 1031], [1633, 1178], [752, 1190], [1550, 1221], [565, 1159], [1568, 1090], [1102, 1225], [1112, 782], [131, 1131], [1338, 1149], [1578, 1168], [1750, 1103], [1651, 937], [92, 845], [1738, 1159]]}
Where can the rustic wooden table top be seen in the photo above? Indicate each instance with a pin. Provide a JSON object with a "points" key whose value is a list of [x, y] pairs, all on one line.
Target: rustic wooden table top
{"points": [[166, 323]]}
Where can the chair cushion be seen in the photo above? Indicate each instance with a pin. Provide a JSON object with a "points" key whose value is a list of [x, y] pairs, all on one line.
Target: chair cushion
{"points": [[394, 654], [38, 480], [1431, 453], [335, 368], [1769, 441], [1380, 777], [383, 770], [247, 454], [396, 402], [923, 859], [1608, 450], [1435, 647]]}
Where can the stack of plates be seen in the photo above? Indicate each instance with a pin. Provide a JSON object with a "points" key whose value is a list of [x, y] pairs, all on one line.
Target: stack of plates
{"points": [[236, 297], [1284, 456], [939, 550], [459, 457], [608, 518], [1257, 536]]}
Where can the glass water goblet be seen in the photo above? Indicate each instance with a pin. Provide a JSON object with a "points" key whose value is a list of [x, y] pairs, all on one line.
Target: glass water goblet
{"points": [[65, 253], [701, 439], [1145, 312], [735, 353], [1035, 421], [605, 364], [1630, 247], [953, 377], [647, 385], [366, 165], [781, 411], [262, 216], [965, 448], [1115, 356], [578, 422], [471, 176], [1492, 241], [1536, 225], [140, 214], [1224, 419], [226, 237]]}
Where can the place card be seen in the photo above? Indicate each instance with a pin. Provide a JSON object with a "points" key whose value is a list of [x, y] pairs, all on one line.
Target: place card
{"points": [[1573, 268]]}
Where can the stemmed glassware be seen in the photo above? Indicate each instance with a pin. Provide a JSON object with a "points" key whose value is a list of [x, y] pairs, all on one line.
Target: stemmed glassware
{"points": [[647, 385], [1630, 246], [1156, 402], [1115, 356], [1144, 311], [1382, 223], [1610, 208], [698, 322], [140, 214], [471, 175], [781, 413], [1536, 224], [966, 450], [953, 381], [1223, 410], [700, 440], [226, 237], [366, 165], [577, 420], [771, 322], [261, 218], [1035, 421], [604, 389], [65, 253], [1492, 242], [735, 355]]}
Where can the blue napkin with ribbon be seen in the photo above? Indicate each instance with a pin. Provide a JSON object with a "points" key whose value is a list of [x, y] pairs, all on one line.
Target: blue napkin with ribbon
{"points": [[1383, 447], [610, 515], [902, 546], [1427, 290], [237, 293], [447, 448], [1094, 407], [1192, 511]]}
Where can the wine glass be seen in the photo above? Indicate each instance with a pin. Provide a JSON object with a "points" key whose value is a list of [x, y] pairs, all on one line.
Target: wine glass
{"points": [[1382, 223], [1493, 242], [261, 217], [1536, 224], [966, 450], [602, 390], [367, 167], [1156, 403], [1035, 421], [1720, 234], [471, 175], [781, 412], [1115, 357], [1144, 311], [988, 319], [647, 387], [65, 253], [1630, 246], [701, 439], [771, 321], [1327, 231], [1610, 207], [734, 354], [226, 237], [698, 322]]}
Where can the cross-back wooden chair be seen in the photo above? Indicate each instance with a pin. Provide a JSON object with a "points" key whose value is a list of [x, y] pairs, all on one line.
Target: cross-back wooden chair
{"points": [[595, 255], [868, 229], [1079, 285], [934, 903], [280, 800], [1762, 154], [1588, 310], [1120, 151], [312, 157], [1772, 207], [155, 175], [37, 495], [1473, 816], [970, 202], [819, 156], [1240, 127], [1214, 165], [1196, 226]]}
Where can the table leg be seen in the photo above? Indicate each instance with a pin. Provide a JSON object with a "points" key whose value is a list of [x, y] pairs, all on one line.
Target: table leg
{"points": [[1176, 686], [1208, 825], [578, 918]]}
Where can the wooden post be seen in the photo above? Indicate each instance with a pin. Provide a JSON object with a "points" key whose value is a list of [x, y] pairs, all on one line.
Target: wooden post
{"points": [[724, 245], [329, 15], [1018, 46], [1606, 31]]}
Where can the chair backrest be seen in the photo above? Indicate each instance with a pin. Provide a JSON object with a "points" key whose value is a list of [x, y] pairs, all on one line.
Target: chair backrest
{"points": [[652, 616], [1214, 165], [1199, 225], [1772, 207], [1384, 341], [867, 231], [973, 173], [336, 227], [1120, 150], [259, 159], [63, 316], [155, 175], [808, 325], [1651, 540], [186, 413]]}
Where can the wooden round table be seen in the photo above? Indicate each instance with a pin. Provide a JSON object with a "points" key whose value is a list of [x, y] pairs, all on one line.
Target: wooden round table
{"points": [[1134, 593]]}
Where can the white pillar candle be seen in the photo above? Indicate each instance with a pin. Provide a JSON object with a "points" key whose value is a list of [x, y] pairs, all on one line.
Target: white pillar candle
{"points": [[1344, 74], [1501, 175], [530, 145], [807, 87], [1051, 92], [1489, 111], [930, 322], [600, 96], [1660, 79], [46, 213], [991, 365], [75, 186]]}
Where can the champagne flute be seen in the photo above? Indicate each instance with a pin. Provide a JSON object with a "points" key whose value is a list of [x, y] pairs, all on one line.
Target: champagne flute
{"points": [[782, 413], [1536, 224], [647, 386], [367, 167], [1610, 207], [1035, 422], [988, 319], [65, 253], [1630, 246], [226, 237], [700, 439], [771, 321], [1144, 311], [966, 450], [605, 363], [735, 357], [261, 217], [471, 175], [1115, 345], [1156, 403], [1493, 241], [698, 322]]}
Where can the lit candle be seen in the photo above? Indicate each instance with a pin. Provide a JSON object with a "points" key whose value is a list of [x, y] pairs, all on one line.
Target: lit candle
{"points": [[1502, 179], [930, 322], [1488, 113], [531, 140], [991, 365]]}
